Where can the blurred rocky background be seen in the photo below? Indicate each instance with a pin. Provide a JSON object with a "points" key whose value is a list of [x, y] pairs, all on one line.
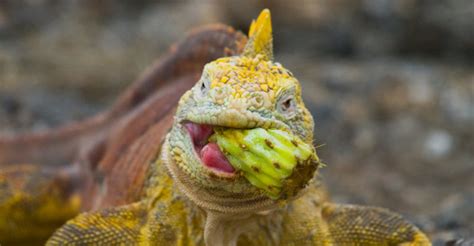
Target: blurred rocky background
{"points": [[390, 83]]}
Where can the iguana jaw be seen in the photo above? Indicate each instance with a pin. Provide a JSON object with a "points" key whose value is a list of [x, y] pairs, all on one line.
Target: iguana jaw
{"points": [[209, 196]]}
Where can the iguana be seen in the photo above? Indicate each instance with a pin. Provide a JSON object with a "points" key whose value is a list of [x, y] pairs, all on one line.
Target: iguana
{"points": [[228, 171]]}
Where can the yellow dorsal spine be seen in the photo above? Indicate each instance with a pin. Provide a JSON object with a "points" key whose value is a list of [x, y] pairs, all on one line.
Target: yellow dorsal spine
{"points": [[260, 37]]}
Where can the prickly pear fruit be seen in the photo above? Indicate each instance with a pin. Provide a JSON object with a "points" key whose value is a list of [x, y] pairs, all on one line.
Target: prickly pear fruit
{"points": [[267, 158]]}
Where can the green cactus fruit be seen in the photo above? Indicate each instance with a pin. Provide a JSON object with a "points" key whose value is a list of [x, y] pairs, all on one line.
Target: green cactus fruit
{"points": [[265, 157]]}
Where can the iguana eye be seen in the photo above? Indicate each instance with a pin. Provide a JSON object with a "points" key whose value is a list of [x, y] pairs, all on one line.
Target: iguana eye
{"points": [[287, 106], [204, 86]]}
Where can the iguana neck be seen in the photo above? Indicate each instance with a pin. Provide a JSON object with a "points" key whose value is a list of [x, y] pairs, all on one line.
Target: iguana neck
{"points": [[221, 229]]}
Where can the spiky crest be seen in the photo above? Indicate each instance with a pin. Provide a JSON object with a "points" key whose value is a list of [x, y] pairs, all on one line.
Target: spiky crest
{"points": [[260, 37]]}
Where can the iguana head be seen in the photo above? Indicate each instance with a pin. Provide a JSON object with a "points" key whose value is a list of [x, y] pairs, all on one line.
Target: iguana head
{"points": [[259, 100]]}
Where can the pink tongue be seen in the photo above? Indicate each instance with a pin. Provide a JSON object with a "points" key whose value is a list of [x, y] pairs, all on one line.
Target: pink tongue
{"points": [[213, 157]]}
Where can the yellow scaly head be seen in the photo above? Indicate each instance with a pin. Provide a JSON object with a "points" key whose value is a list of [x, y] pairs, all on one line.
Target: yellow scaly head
{"points": [[252, 97], [252, 76]]}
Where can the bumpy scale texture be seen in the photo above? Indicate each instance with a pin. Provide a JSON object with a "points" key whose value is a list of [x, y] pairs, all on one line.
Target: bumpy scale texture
{"points": [[186, 203]]}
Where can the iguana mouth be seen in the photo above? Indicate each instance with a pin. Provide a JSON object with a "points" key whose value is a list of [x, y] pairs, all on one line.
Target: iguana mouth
{"points": [[277, 162], [209, 153]]}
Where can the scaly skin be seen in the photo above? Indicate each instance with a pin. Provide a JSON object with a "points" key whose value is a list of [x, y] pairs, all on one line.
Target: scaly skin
{"points": [[33, 202], [188, 203]]}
